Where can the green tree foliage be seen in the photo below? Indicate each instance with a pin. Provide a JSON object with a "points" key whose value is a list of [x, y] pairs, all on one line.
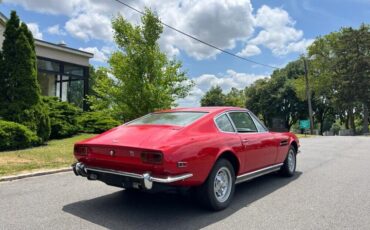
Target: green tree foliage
{"points": [[342, 61], [102, 90], [20, 93], [275, 97], [321, 95], [259, 100], [213, 97], [144, 79], [235, 97]]}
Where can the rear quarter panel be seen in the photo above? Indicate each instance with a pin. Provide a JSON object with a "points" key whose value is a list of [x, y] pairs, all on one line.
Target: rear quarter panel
{"points": [[284, 141], [200, 147]]}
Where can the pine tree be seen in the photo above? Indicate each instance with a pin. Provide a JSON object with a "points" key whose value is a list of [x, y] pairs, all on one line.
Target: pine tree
{"points": [[20, 92]]}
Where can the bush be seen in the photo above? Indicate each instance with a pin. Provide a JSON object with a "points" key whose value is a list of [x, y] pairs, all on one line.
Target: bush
{"points": [[96, 122], [335, 128], [63, 118], [16, 136], [36, 118]]}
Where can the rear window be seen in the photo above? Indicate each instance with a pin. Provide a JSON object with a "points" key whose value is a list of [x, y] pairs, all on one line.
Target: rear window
{"points": [[170, 118]]}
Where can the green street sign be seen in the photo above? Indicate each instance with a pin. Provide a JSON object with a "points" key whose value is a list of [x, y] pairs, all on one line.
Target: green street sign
{"points": [[304, 124]]}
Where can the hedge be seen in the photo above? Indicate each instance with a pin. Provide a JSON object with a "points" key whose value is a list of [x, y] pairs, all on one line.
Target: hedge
{"points": [[96, 122], [63, 118], [16, 136]]}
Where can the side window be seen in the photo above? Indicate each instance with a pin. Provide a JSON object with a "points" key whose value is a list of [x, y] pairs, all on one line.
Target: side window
{"points": [[259, 124], [243, 122], [224, 124]]}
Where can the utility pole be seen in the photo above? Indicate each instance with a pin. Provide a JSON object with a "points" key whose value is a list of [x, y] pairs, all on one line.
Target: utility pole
{"points": [[308, 95]]}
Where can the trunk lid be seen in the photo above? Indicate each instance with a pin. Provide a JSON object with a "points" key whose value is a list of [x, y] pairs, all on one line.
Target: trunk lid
{"points": [[121, 148]]}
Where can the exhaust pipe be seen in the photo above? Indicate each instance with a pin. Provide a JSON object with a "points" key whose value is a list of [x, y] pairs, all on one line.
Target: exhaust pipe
{"points": [[79, 169]]}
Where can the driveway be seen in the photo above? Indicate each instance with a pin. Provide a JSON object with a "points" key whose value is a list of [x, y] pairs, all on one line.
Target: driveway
{"points": [[331, 190]]}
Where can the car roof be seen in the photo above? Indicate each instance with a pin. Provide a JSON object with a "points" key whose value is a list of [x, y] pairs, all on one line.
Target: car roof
{"points": [[210, 109]]}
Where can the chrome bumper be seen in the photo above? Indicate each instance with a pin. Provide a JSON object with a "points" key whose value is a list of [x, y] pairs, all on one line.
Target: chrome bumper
{"points": [[80, 170]]}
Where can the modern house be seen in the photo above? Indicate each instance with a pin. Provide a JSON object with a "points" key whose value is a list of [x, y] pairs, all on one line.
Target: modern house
{"points": [[62, 71]]}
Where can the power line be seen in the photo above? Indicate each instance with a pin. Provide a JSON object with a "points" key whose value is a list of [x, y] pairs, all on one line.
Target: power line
{"points": [[198, 40]]}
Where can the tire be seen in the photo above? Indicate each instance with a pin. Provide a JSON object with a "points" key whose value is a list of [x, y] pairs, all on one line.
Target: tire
{"points": [[290, 163], [214, 194]]}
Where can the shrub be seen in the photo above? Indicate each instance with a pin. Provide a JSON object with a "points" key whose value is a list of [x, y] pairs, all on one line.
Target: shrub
{"points": [[63, 118], [16, 136], [96, 122], [335, 128], [36, 118]]}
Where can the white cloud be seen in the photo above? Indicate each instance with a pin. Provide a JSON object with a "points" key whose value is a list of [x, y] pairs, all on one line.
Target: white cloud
{"points": [[249, 50], [226, 81], [300, 46], [55, 30], [220, 22], [99, 55], [278, 32], [34, 28], [50, 6], [90, 25]]}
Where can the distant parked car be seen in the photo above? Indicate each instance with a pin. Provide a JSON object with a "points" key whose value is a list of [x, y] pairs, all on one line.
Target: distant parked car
{"points": [[208, 148]]}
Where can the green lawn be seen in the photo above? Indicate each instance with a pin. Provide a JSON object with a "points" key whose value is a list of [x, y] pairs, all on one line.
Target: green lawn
{"points": [[56, 154]]}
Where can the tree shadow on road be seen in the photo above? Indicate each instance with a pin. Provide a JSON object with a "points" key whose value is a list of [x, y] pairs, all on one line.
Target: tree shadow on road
{"points": [[120, 210]]}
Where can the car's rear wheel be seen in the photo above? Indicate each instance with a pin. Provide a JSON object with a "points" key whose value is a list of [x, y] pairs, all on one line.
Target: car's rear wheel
{"points": [[217, 191], [290, 163]]}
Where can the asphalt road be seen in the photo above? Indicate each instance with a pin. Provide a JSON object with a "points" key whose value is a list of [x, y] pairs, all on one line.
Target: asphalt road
{"points": [[330, 191]]}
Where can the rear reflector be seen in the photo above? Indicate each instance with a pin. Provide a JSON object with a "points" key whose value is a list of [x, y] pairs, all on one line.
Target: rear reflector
{"points": [[81, 150], [152, 157]]}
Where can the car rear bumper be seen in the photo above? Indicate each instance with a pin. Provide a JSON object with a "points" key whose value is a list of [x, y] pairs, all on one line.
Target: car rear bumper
{"points": [[144, 180]]}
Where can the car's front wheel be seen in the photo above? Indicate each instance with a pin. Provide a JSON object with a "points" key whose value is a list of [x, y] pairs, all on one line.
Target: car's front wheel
{"points": [[217, 191]]}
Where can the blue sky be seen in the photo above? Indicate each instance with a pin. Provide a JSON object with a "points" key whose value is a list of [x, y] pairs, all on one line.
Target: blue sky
{"points": [[271, 32]]}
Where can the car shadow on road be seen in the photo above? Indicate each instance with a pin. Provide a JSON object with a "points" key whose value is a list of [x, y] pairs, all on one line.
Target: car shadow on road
{"points": [[120, 210]]}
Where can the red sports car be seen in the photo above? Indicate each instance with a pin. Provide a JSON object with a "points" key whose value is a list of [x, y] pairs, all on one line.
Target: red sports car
{"points": [[209, 149]]}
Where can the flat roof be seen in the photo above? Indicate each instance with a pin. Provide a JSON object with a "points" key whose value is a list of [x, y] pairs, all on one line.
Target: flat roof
{"points": [[63, 48], [53, 45]]}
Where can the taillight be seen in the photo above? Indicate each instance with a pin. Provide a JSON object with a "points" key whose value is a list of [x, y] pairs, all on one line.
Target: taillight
{"points": [[81, 150], [152, 157]]}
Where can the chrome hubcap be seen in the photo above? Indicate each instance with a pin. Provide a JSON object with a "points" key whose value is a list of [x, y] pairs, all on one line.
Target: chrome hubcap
{"points": [[291, 160], [222, 184]]}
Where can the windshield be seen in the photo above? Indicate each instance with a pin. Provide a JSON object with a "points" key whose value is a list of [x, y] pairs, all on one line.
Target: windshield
{"points": [[170, 118]]}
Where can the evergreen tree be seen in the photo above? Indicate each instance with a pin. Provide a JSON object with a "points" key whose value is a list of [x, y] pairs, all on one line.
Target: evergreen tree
{"points": [[20, 92]]}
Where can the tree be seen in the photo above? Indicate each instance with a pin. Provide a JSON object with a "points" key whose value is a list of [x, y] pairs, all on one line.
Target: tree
{"points": [[20, 99], [275, 97], [258, 100], [355, 45], [213, 97], [321, 94], [144, 79], [102, 90], [235, 98], [343, 59]]}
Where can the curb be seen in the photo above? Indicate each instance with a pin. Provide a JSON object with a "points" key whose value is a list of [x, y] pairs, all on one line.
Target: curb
{"points": [[34, 174]]}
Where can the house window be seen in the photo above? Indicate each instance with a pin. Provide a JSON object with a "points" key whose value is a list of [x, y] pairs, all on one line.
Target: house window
{"points": [[47, 83], [63, 80], [73, 70], [48, 65]]}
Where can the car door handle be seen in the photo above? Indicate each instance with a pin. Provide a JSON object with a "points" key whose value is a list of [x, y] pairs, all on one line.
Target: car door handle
{"points": [[245, 141]]}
